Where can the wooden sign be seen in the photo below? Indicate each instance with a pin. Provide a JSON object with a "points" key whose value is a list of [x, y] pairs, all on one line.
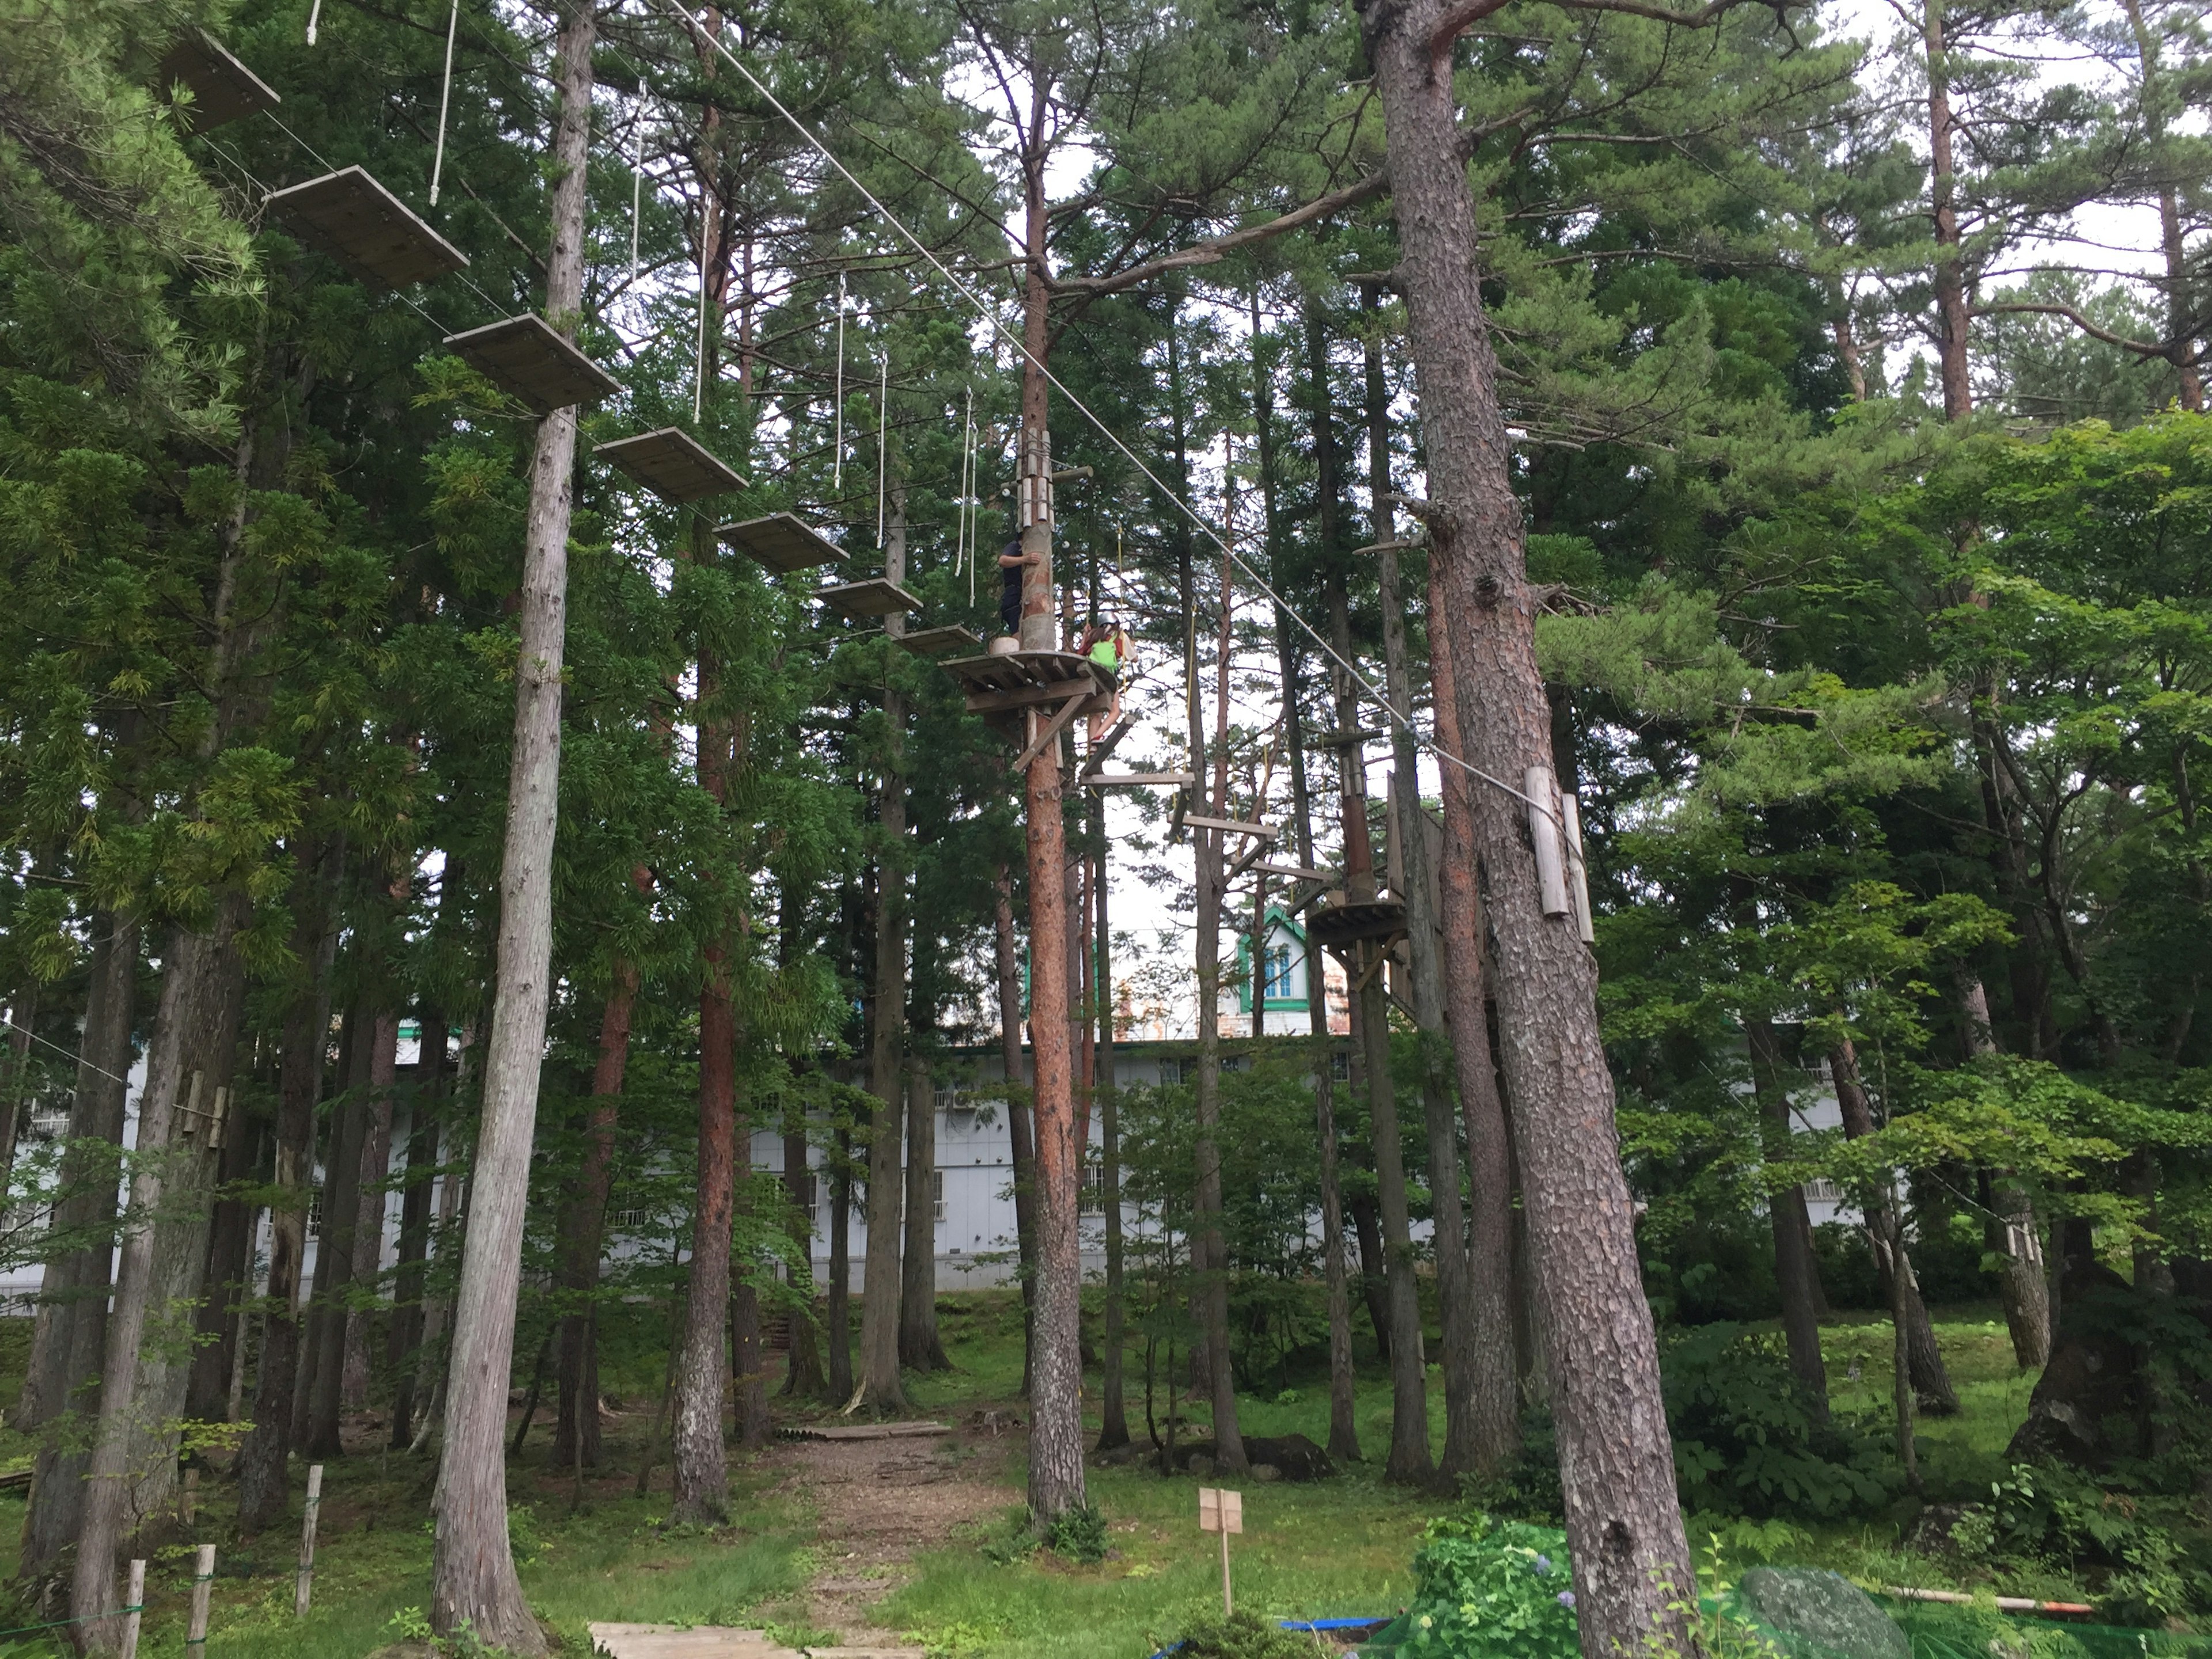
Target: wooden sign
{"points": [[1220, 1510]]}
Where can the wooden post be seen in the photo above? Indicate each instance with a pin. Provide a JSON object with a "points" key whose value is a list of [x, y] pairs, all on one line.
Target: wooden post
{"points": [[306, 1582], [1570, 823], [1223, 1512], [134, 1602], [203, 1588]]}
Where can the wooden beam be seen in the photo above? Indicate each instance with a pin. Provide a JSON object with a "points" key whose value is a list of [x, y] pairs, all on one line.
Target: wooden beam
{"points": [[1294, 872], [1024, 697], [1231, 826], [1050, 735], [1139, 780]]}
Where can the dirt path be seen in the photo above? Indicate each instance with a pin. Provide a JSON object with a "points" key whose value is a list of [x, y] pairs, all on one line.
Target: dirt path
{"points": [[881, 1501]]}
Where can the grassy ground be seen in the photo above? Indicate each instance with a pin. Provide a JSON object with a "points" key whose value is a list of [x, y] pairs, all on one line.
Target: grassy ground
{"points": [[1341, 1546]]}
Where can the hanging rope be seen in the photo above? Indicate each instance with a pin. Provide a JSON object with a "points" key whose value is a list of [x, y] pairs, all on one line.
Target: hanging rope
{"points": [[636, 188], [837, 400], [699, 372], [883, 437], [445, 99], [314, 20], [967, 480]]}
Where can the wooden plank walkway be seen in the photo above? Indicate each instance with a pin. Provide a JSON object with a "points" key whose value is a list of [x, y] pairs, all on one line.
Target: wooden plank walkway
{"points": [[862, 1430]]}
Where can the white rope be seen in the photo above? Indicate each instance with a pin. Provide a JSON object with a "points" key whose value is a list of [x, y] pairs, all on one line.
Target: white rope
{"points": [[837, 444], [445, 99], [699, 372], [882, 434], [960, 502], [1013, 338], [636, 193], [314, 18], [79, 1058]]}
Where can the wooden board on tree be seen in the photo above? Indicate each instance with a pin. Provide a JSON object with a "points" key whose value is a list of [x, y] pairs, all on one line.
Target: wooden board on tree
{"points": [[223, 89], [365, 228], [936, 641], [672, 463], [874, 597], [781, 541], [526, 358]]}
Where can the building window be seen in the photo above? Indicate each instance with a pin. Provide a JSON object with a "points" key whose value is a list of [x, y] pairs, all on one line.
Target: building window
{"points": [[315, 1214], [1092, 1198], [809, 1196], [937, 1193], [628, 1221], [1339, 1066], [1821, 1190], [1279, 973]]}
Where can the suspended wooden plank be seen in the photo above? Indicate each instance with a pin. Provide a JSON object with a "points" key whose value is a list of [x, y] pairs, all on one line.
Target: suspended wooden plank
{"points": [[936, 641], [1140, 781], [672, 463], [1228, 826], [526, 357], [782, 541], [365, 228], [873, 597], [1292, 872], [223, 89]]}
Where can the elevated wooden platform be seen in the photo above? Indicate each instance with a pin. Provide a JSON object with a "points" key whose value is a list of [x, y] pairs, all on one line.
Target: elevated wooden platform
{"points": [[1339, 924], [223, 89], [672, 463], [936, 641], [365, 228], [874, 597], [781, 541], [525, 357], [1000, 687]]}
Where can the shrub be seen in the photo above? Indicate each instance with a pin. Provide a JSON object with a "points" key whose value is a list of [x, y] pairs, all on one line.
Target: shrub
{"points": [[1240, 1636], [1746, 1444], [1489, 1589], [1078, 1534]]}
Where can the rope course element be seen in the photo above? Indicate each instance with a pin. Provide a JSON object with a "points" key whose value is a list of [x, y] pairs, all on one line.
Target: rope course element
{"points": [[989, 314], [445, 102], [883, 438], [837, 399], [80, 1060]]}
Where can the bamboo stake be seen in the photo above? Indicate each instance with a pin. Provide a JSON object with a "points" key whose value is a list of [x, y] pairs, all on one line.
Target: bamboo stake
{"points": [[203, 1588], [305, 1590]]}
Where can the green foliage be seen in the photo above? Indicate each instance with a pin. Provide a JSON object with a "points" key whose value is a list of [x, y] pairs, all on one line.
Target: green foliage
{"points": [[1490, 1589], [1078, 1535], [1746, 1442], [1240, 1635]]}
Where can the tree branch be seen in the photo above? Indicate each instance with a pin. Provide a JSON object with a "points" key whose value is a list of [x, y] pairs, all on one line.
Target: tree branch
{"points": [[2140, 348]]}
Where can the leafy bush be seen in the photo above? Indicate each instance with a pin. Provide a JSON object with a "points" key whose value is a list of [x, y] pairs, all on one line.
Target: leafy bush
{"points": [[1078, 1534], [1746, 1444], [1243, 1635], [1490, 1589], [2132, 1529]]}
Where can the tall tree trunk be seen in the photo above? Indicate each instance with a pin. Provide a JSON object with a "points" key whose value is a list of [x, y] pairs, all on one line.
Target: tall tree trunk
{"points": [[1950, 274], [1056, 1484], [1113, 1417], [434, 1361], [2182, 327], [404, 1340], [336, 1255], [375, 1182], [839, 1312], [1916, 1333], [473, 1580], [1491, 1299], [227, 1278], [264, 1463], [583, 1232], [701, 1465], [879, 1307], [2021, 1286], [60, 1384], [1796, 1274], [803, 1375], [919, 1346], [1020, 1137], [1632, 1567]]}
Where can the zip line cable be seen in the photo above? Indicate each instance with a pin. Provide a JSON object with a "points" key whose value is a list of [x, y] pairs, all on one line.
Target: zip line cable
{"points": [[837, 399], [883, 438], [990, 316], [80, 1060]]}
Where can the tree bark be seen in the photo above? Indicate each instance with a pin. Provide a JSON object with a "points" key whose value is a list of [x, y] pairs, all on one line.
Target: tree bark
{"points": [[803, 1375], [1498, 1348], [472, 1568], [702, 1464], [59, 1386], [919, 1346], [1950, 275], [336, 1255], [264, 1463], [839, 1311], [583, 1233], [1020, 1136], [1631, 1561], [1113, 1417], [1795, 1274], [1916, 1333], [375, 1182], [879, 1306]]}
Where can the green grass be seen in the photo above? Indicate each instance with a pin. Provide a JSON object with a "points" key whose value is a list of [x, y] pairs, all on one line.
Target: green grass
{"points": [[1342, 1547]]}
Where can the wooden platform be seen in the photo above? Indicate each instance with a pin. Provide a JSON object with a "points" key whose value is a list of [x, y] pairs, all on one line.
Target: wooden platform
{"points": [[526, 357], [672, 463], [223, 89], [873, 597], [1334, 926], [936, 641], [781, 541], [365, 228], [1000, 687], [863, 1431]]}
